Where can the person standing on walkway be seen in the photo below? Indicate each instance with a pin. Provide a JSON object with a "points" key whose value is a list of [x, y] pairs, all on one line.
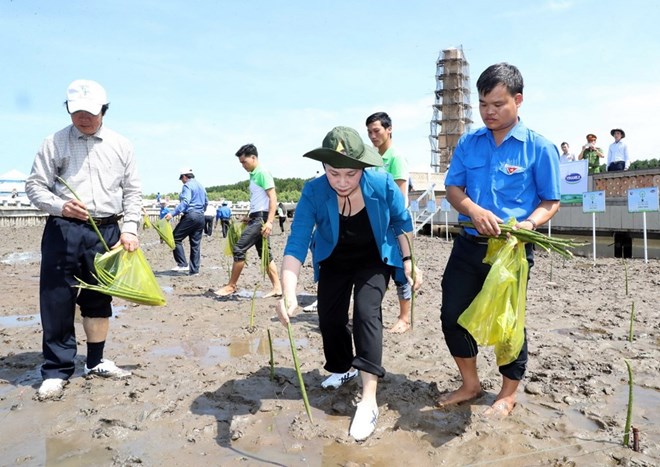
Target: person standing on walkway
{"points": [[592, 154], [565, 155], [263, 205], [379, 130], [617, 155], [501, 171], [99, 165], [192, 204]]}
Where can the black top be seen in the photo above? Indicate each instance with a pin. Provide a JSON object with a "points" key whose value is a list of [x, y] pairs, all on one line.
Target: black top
{"points": [[356, 246]]}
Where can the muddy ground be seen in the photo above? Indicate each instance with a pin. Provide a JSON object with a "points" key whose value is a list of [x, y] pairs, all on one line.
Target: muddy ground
{"points": [[201, 392]]}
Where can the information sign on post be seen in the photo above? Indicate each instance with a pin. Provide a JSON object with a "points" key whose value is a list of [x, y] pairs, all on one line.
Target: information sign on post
{"points": [[445, 207], [643, 200], [430, 208], [593, 202]]}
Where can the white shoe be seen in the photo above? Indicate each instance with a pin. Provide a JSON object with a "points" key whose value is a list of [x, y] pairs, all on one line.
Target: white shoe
{"points": [[107, 369], [180, 269], [364, 421], [51, 388], [337, 379], [311, 308]]}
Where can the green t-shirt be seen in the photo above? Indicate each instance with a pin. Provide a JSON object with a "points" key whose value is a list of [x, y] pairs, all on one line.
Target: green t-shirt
{"points": [[395, 164], [260, 181]]}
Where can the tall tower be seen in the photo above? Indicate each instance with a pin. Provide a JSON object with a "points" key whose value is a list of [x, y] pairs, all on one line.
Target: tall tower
{"points": [[452, 113]]}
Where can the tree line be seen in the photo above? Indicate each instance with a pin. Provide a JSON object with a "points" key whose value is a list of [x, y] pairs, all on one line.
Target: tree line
{"points": [[288, 191]]}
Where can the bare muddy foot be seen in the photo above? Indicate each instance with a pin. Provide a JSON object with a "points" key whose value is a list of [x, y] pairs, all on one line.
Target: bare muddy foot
{"points": [[457, 397], [400, 327]]}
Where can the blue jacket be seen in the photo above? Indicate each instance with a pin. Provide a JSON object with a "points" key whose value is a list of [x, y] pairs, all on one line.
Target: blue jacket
{"points": [[316, 220]]}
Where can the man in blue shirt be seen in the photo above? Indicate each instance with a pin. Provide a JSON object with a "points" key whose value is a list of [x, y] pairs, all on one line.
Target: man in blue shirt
{"points": [[497, 172], [192, 204], [223, 215]]}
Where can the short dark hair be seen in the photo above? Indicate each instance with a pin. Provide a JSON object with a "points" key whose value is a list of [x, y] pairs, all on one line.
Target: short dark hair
{"points": [[563, 144], [247, 150], [104, 107], [381, 117], [500, 73]]}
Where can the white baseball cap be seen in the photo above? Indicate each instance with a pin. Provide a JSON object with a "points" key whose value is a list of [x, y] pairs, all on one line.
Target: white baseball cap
{"points": [[185, 171], [85, 95]]}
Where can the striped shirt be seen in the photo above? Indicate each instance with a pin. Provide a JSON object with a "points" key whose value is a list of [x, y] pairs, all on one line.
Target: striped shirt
{"points": [[100, 168]]}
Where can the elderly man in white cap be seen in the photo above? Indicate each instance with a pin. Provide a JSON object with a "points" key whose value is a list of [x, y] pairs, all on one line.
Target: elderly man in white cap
{"points": [[99, 165], [193, 201]]}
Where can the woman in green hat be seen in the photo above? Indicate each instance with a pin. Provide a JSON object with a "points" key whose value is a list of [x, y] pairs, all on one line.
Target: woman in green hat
{"points": [[356, 224]]}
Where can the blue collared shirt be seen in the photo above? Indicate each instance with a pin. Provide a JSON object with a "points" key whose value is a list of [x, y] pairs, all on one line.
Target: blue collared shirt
{"points": [[511, 179], [193, 198]]}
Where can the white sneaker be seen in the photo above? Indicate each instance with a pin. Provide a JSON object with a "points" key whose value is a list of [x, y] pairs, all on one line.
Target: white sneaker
{"points": [[364, 421], [311, 308], [51, 388], [107, 369], [180, 269], [337, 379]]}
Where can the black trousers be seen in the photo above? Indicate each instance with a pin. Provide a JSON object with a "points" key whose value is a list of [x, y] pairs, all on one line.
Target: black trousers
{"points": [[191, 225], [616, 166], [463, 279], [68, 248], [208, 225], [334, 296]]}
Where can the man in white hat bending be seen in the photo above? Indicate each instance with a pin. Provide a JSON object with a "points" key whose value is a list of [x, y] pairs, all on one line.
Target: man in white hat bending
{"points": [[98, 164]]}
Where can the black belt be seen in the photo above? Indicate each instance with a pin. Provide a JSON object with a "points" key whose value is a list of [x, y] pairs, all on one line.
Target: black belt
{"points": [[107, 220], [473, 238], [256, 214]]}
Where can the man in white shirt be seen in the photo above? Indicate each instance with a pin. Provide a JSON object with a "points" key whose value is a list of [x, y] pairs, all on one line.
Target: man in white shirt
{"points": [[566, 156], [617, 155]]}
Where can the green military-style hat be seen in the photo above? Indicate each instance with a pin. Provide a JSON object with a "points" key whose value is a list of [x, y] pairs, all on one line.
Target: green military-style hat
{"points": [[342, 148]]}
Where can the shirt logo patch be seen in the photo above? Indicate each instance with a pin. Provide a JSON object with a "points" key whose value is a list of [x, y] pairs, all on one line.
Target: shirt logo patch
{"points": [[512, 169]]}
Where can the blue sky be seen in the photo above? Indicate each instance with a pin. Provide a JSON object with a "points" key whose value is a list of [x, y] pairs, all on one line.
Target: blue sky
{"points": [[190, 82]]}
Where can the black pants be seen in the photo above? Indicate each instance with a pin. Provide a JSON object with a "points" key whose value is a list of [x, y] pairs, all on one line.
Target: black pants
{"points": [[334, 296], [208, 225], [68, 248], [251, 236], [463, 279], [191, 225], [224, 223], [616, 166]]}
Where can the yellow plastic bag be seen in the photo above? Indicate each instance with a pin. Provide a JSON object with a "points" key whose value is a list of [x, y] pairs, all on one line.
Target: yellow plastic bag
{"points": [[164, 229], [496, 316], [127, 275]]}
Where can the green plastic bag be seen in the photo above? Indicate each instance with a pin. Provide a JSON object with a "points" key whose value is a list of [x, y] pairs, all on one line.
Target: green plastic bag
{"points": [[164, 229], [127, 275], [496, 316]]}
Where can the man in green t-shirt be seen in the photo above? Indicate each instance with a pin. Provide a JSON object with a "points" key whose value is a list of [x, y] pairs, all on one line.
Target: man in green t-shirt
{"points": [[263, 205], [379, 130]]}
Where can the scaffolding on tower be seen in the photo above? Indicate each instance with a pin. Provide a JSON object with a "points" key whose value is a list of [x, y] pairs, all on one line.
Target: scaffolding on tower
{"points": [[452, 113]]}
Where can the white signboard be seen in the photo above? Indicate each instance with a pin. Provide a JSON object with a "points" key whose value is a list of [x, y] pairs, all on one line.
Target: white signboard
{"points": [[573, 181], [444, 205], [643, 199], [593, 201]]}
